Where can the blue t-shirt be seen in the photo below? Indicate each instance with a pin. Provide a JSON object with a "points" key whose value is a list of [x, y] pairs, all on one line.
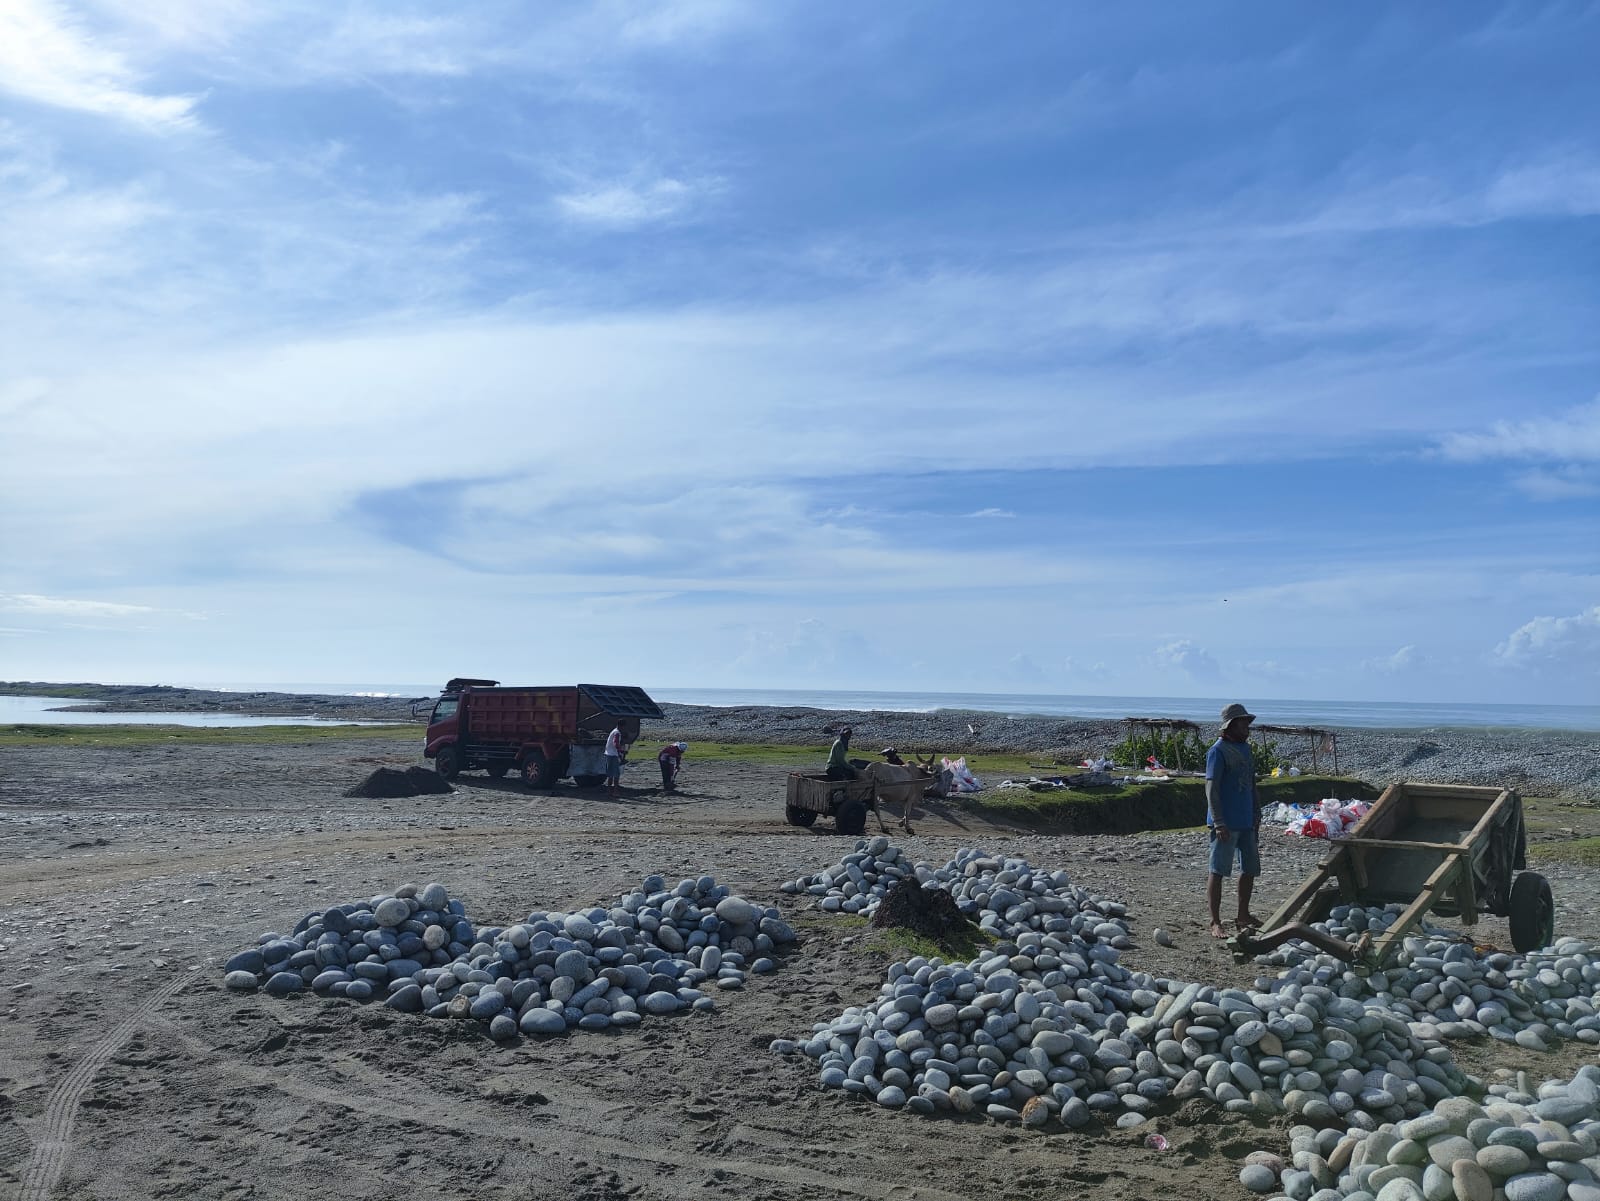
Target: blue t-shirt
{"points": [[1232, 766]]}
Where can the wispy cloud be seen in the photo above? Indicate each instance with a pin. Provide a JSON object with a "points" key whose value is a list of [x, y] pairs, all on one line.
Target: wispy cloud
{"points": [[1570, 437], [1408, 658], [626, 205], [22, 602], [49, 58], [1193, 661], [992, 513]]}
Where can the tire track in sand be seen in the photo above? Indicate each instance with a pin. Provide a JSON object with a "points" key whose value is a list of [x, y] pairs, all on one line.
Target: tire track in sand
{"points": [[597, 1144], [52, 1145]]}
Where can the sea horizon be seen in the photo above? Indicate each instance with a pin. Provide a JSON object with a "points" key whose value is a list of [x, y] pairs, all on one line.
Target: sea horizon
{"points": [[1088, 706]]}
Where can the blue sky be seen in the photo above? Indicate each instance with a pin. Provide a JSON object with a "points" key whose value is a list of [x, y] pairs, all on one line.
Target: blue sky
{"points": [[1245, 349]]}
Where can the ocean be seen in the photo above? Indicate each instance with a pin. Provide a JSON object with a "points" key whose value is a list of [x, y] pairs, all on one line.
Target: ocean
{"points": [[1367, 714]]}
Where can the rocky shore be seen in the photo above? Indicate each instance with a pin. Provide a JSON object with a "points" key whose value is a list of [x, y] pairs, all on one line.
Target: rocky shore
{"points": [[1560, 763]]}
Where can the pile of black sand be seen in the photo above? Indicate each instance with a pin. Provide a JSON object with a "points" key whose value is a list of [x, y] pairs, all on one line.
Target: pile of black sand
{"points": [[397, 782], [931, 912]]}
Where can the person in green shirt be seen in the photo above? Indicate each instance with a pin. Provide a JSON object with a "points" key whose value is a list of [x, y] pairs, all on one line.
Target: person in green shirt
{"points": [[839, 758]]}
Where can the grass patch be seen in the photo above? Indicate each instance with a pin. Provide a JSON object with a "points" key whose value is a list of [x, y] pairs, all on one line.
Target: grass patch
{"points": [[132, 737], [1584, 851], [960, 947]]}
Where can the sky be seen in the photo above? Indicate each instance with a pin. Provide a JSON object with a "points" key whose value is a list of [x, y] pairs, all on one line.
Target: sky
{"points": [[1248, 349]]}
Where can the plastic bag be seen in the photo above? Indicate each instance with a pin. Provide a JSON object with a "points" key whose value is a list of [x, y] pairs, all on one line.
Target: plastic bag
{"points": [[1315, 827], [963, 780]]}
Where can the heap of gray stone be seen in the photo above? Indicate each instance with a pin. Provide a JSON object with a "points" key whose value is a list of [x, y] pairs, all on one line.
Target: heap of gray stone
{"points": [[1540, 1145], [1441, 985], [658, 951]]}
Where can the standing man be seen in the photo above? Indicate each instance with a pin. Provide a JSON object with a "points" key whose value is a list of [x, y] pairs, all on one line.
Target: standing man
{"points": [[670, 757], [839, 758], [616, 753], [1233, 816]]}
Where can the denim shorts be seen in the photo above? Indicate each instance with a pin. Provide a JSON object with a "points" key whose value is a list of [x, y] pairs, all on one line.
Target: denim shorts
{"points": [[1245, 844], [613, 768]]}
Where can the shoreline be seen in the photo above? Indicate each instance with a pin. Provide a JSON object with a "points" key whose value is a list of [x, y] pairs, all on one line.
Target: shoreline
{"points": [[1558, 763]]}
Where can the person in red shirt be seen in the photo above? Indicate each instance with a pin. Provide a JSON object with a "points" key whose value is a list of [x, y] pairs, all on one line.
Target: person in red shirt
{"points": [[670, 757]]}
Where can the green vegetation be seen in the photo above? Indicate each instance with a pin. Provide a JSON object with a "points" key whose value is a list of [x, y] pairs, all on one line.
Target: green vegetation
{"points": [[961, 946], [132, 737], [1186, 749], [1170, 804], [894, 942], [1585, 851]]}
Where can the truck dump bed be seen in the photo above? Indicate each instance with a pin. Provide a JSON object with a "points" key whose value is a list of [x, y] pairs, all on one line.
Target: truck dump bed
{"points": [[574, 712]]}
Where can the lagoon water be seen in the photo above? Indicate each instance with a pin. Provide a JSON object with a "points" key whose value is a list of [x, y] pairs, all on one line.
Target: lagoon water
{"points": [[41, 711]]}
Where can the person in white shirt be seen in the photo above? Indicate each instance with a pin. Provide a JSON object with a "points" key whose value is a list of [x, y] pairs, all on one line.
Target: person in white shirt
{"points": [[616, 755]]}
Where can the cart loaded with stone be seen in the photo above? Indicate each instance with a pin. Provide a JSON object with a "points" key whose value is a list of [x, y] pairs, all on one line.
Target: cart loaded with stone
{"points": [[1450, 848]]}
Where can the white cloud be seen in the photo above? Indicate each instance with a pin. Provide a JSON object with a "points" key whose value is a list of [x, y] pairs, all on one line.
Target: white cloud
{"points": [[1002, 513], [1568, 481], [1407, 659], [1193, 661], [1570, 437], [1571, 642], [24, 602], [48, 58], [625, 205]]}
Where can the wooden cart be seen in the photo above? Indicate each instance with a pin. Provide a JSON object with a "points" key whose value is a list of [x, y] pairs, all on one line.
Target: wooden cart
{"points": [[1449, 848], [812, 794]]}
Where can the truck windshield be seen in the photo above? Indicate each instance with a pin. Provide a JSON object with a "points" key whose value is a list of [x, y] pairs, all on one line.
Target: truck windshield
{"points": [[444, 709]]}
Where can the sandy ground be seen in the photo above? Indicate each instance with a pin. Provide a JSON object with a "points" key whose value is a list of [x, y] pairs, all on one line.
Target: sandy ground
{"points": [[127, 876]]}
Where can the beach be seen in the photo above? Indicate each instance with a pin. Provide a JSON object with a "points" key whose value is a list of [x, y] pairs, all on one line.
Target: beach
{"points": [[130, 872], [1558, 763]]}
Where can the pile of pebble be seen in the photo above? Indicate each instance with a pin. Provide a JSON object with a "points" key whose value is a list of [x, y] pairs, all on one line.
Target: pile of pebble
{"points": [[1006, 897], [658, 951], [1445, 989], [1050, 1025], [1520, 1145]]}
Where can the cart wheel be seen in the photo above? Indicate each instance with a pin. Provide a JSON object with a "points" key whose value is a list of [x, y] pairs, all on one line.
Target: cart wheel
{"points": [[496, 771], [851, 818], [1532, 912], [799, 817], [446, 763]]}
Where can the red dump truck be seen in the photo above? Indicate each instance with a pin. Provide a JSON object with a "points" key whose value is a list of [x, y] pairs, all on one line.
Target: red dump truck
{"points": [[545, 733]]}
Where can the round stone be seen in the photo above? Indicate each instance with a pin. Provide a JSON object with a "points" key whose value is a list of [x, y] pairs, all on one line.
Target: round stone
{"points": [[435, 897], [1471, 1182], [242, 981], [1502, 1161], [391, 912], [1258, 1178], [1535, 1186], [542, 1021], [737, 911]]}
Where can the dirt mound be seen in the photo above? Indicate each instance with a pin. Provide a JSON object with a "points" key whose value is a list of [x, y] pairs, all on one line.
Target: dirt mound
{"points": [[931, 912], [397, 782]]}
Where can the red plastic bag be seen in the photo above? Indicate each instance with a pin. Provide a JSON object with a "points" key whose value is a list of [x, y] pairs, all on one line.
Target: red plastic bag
{"points": [[1315, 827]]}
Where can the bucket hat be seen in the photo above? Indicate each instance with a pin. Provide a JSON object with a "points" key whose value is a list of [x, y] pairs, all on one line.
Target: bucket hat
{"points": [[1234, 711]]}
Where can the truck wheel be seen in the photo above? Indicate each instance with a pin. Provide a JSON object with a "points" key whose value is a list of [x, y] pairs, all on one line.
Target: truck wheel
{"points": [[799, 817], [588, 781], [1532, 912], [851, 818], [496, 771], [561, 765], [446, 763], [536, 770]]}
